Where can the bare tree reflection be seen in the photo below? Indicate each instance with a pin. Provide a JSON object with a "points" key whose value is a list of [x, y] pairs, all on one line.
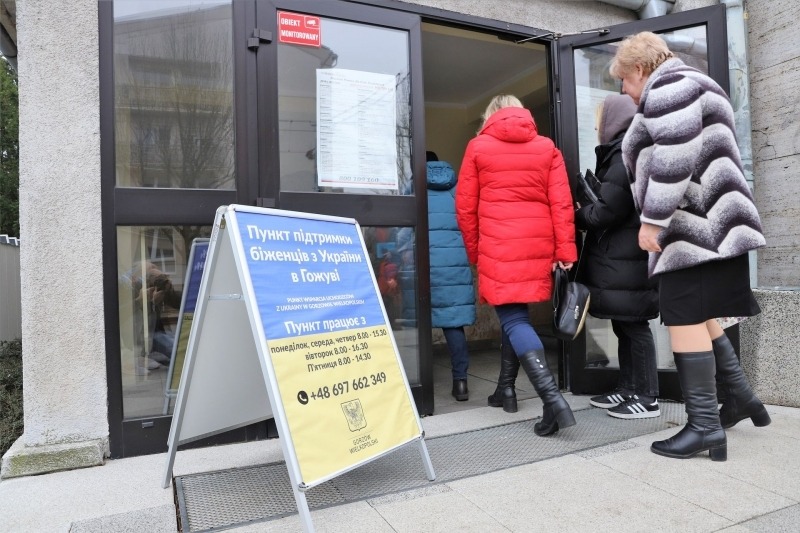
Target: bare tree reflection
{"points": [[174, 100], [404, 170]]}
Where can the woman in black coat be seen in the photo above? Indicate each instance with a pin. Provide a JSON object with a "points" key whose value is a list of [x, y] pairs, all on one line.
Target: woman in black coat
{"points": [[615, 270]]}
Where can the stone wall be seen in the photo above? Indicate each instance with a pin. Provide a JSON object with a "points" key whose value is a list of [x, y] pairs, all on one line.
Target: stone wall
{"points": [[775, 104], [769, 353]]}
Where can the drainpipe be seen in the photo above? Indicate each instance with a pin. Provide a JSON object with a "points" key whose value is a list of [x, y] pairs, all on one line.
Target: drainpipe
{"points": [[646, 9], [740, 86]]}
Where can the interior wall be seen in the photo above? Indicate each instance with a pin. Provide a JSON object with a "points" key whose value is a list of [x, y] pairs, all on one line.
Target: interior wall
{"points": [[447, 132]]}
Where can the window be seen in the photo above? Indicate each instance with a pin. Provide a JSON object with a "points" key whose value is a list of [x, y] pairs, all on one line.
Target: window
{"points": [[173, 81]]}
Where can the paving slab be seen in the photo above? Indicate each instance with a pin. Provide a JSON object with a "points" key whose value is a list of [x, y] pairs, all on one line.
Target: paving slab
{"points": [[571, 493]]}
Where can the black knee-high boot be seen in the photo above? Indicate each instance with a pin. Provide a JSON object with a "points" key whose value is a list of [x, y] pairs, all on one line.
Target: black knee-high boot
{"points": [[557, 413], [740, 402], [505, 396], [703, 431]]}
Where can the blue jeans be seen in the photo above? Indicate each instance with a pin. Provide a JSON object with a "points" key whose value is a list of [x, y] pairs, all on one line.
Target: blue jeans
{"points": [[638, 368], [516, 325], [163, 342], [459, 356]]}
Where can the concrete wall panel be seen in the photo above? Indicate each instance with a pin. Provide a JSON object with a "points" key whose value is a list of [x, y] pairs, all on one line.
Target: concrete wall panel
{"points": [[61, 261], [687, 5], [775, 107], [769, 348], [773, 32], [774, 78]]}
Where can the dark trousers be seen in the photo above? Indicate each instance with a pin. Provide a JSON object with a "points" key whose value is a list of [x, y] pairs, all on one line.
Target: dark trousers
{"points": [[517, 327], [638, 372], [459, 355]]}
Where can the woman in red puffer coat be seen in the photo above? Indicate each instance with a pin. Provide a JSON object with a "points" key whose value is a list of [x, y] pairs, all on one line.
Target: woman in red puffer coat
{"points": [[515, 211]]}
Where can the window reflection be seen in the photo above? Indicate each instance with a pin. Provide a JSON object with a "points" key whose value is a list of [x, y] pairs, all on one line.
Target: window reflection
{"points": [[151, 266], [602, 345], [355, 50], [392, 252], [592, 84], [173, 82]]}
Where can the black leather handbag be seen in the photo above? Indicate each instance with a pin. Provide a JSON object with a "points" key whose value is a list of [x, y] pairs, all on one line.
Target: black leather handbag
{"points": [[570, 305], [588, 188]]}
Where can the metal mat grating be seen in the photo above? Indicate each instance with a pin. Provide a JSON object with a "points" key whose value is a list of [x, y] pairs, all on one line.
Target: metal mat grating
{"points": [[219, 500]]}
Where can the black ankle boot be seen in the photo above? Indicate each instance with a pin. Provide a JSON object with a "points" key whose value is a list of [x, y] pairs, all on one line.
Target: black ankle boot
{"points": [[460, 391], [703, 432], [739, 402], [505, 396], [556, 413]]}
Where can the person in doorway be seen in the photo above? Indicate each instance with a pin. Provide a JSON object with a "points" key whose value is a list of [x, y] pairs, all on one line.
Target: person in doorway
{"points": [[699, 221], [452, 290], [514, 208], [614, 269]]}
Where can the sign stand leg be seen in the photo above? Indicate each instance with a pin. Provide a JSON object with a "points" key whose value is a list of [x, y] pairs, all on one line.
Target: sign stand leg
{"points": [[302, 510], [426, 460], [167, 479]]}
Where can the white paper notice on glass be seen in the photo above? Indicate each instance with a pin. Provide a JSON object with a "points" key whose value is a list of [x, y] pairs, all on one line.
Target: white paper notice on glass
{"points": [[356, 129]]}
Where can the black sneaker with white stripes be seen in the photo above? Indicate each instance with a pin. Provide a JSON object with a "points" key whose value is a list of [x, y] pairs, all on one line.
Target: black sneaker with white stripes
{"points": [[607, 401], [635, 408]]}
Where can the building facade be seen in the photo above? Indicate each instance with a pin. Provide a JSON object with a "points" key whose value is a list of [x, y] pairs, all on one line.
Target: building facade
{"points": [[138, 119]]}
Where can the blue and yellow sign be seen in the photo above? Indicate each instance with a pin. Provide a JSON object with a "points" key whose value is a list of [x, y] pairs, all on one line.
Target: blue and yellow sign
{"points": [[339, 375]]}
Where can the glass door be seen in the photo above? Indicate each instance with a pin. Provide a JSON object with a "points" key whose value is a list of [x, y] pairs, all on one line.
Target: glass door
{"points": [[341, 133], [697, 37]]}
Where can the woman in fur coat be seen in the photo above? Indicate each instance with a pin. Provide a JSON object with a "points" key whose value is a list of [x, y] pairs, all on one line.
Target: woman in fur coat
{"points": [[699, 222]]}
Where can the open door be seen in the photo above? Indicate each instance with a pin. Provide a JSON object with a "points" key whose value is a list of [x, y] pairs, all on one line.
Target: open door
{"points": [[699, 38]]}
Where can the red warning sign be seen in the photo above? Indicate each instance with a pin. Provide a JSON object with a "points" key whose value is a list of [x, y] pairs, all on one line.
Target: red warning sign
{"points": [[294, 28]]}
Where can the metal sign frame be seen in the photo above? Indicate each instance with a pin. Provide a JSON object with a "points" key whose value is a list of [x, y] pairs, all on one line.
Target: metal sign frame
{"points": [[228, 378]]}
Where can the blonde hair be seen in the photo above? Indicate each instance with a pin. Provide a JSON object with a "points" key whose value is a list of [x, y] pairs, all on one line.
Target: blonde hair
{"points": [[499, 102], [645, 49]]}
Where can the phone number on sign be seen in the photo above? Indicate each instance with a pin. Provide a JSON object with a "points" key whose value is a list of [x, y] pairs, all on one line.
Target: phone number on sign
{"points": [[343, 387]]}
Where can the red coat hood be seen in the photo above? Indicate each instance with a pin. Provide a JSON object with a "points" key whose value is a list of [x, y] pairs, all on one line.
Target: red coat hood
{"points": [[511, 124]]}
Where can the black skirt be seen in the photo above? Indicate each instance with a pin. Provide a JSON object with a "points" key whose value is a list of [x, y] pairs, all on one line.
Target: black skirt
{"points": [[711, 290]]}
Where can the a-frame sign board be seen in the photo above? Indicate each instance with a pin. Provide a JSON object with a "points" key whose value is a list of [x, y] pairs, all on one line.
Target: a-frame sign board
{"points": [[289, 324]]}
